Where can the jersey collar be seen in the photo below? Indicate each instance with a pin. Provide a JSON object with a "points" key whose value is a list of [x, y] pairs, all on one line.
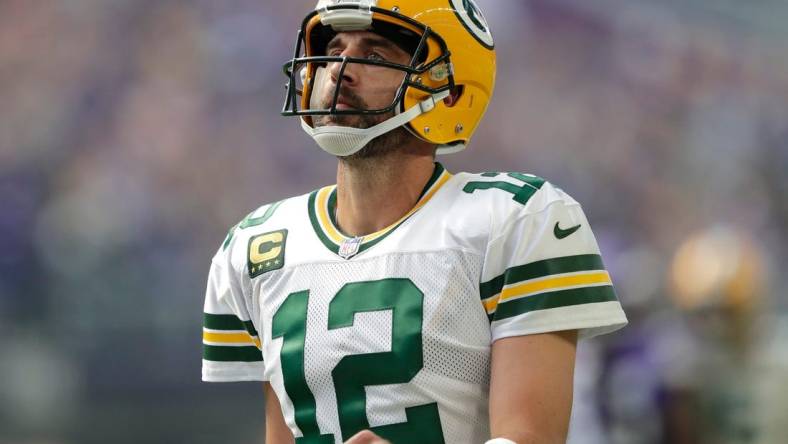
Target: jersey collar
{"points": [[322, 205]]}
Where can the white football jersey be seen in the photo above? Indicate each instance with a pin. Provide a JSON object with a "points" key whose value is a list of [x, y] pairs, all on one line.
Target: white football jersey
{"points": [[392, 331]]}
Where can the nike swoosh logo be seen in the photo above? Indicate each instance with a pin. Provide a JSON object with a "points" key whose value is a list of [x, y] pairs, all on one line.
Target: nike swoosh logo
{"points": [[561, 233]]}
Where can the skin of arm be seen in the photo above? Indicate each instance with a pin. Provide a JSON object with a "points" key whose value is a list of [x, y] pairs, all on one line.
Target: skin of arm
{"points": [[531, 380], [276, 430], [530, 389]]}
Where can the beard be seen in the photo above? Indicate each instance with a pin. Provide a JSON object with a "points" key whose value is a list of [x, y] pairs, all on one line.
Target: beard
{"points": [[381, 146]]}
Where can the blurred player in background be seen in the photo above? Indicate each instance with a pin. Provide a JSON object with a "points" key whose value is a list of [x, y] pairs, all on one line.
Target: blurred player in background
{"points": [[732, 371], [710, 369], [405, 304]]}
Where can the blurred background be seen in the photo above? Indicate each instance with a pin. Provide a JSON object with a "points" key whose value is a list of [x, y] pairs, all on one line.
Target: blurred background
{"points": [[134, 133]]}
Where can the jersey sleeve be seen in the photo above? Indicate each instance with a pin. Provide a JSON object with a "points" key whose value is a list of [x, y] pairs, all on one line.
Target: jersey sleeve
{"points": [[231, 345], [543, 272]]}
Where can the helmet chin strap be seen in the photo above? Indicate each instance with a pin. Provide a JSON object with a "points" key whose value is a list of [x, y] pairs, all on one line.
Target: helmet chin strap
{"points": [[344, 140]]}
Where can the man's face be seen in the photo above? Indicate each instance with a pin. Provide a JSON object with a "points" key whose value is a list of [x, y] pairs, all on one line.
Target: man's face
{"points": [[363, 87]]}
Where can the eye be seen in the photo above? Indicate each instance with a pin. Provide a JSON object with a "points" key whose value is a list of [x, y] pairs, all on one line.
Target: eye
{"points": [[376, 56]]}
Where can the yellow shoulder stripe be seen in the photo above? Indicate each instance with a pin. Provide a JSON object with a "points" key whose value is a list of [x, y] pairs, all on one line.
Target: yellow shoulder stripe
{"points": [[231, 338], [550, 283]]}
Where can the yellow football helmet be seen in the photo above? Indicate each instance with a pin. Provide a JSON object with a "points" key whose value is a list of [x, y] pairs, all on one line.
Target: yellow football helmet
{"points": [[721, 267], [452, 54]]}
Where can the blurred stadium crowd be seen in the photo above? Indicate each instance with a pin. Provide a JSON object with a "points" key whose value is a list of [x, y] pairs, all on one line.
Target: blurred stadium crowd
{"points": [[133, 133]]}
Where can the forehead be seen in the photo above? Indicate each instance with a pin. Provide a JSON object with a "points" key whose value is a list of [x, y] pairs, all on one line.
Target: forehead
{"points": [[361, 38], [380, 34]]}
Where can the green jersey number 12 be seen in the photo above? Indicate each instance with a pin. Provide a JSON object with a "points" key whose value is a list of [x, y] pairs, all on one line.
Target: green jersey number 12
{"points": [[354, 372]]}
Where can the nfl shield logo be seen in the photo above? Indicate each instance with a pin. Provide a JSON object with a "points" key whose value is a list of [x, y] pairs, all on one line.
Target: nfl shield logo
{"points": [[349, 247]]}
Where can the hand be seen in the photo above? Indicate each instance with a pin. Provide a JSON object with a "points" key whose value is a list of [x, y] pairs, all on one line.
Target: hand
{"points": [[366, 437]]}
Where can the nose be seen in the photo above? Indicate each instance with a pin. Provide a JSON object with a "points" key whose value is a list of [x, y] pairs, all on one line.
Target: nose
{"points": [[348, 74]]}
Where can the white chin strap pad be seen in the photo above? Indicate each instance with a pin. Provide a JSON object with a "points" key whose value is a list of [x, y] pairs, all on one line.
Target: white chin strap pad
{"points": [[344, 140]]}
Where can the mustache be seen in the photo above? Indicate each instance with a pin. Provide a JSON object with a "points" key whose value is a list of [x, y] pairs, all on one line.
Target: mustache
{"points": [[345, 96]]}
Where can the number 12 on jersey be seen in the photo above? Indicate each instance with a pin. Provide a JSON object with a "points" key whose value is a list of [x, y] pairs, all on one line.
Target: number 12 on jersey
{"points": [[354, 372]]}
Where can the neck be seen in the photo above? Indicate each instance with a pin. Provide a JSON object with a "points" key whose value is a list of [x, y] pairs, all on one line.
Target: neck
{"points": [[376, 192]]}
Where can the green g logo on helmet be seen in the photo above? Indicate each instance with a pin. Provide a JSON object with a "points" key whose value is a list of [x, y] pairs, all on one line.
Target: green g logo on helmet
{"points": [[472, 18]]}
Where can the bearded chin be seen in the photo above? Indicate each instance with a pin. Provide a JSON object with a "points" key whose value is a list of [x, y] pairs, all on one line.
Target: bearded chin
{"points": [[380, 146]]}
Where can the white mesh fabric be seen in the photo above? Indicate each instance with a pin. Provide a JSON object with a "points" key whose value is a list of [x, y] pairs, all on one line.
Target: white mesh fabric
{"points": [[339, 141], [455, 340]]}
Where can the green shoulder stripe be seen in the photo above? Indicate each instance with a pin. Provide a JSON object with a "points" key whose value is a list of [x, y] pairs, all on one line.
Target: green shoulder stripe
{"points": [[566, 264], [231, 354], [553, 299], [227, 322]]}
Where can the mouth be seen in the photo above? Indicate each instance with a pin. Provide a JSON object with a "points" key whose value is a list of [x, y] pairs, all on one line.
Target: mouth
{"points": [[346, 101]]}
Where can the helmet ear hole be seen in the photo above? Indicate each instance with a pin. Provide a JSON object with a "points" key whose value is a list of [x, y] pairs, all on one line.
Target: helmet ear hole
{"points": [[454, 96]]}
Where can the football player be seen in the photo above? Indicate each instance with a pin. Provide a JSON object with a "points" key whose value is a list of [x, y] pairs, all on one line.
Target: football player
{"points": [[405, 304]]}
